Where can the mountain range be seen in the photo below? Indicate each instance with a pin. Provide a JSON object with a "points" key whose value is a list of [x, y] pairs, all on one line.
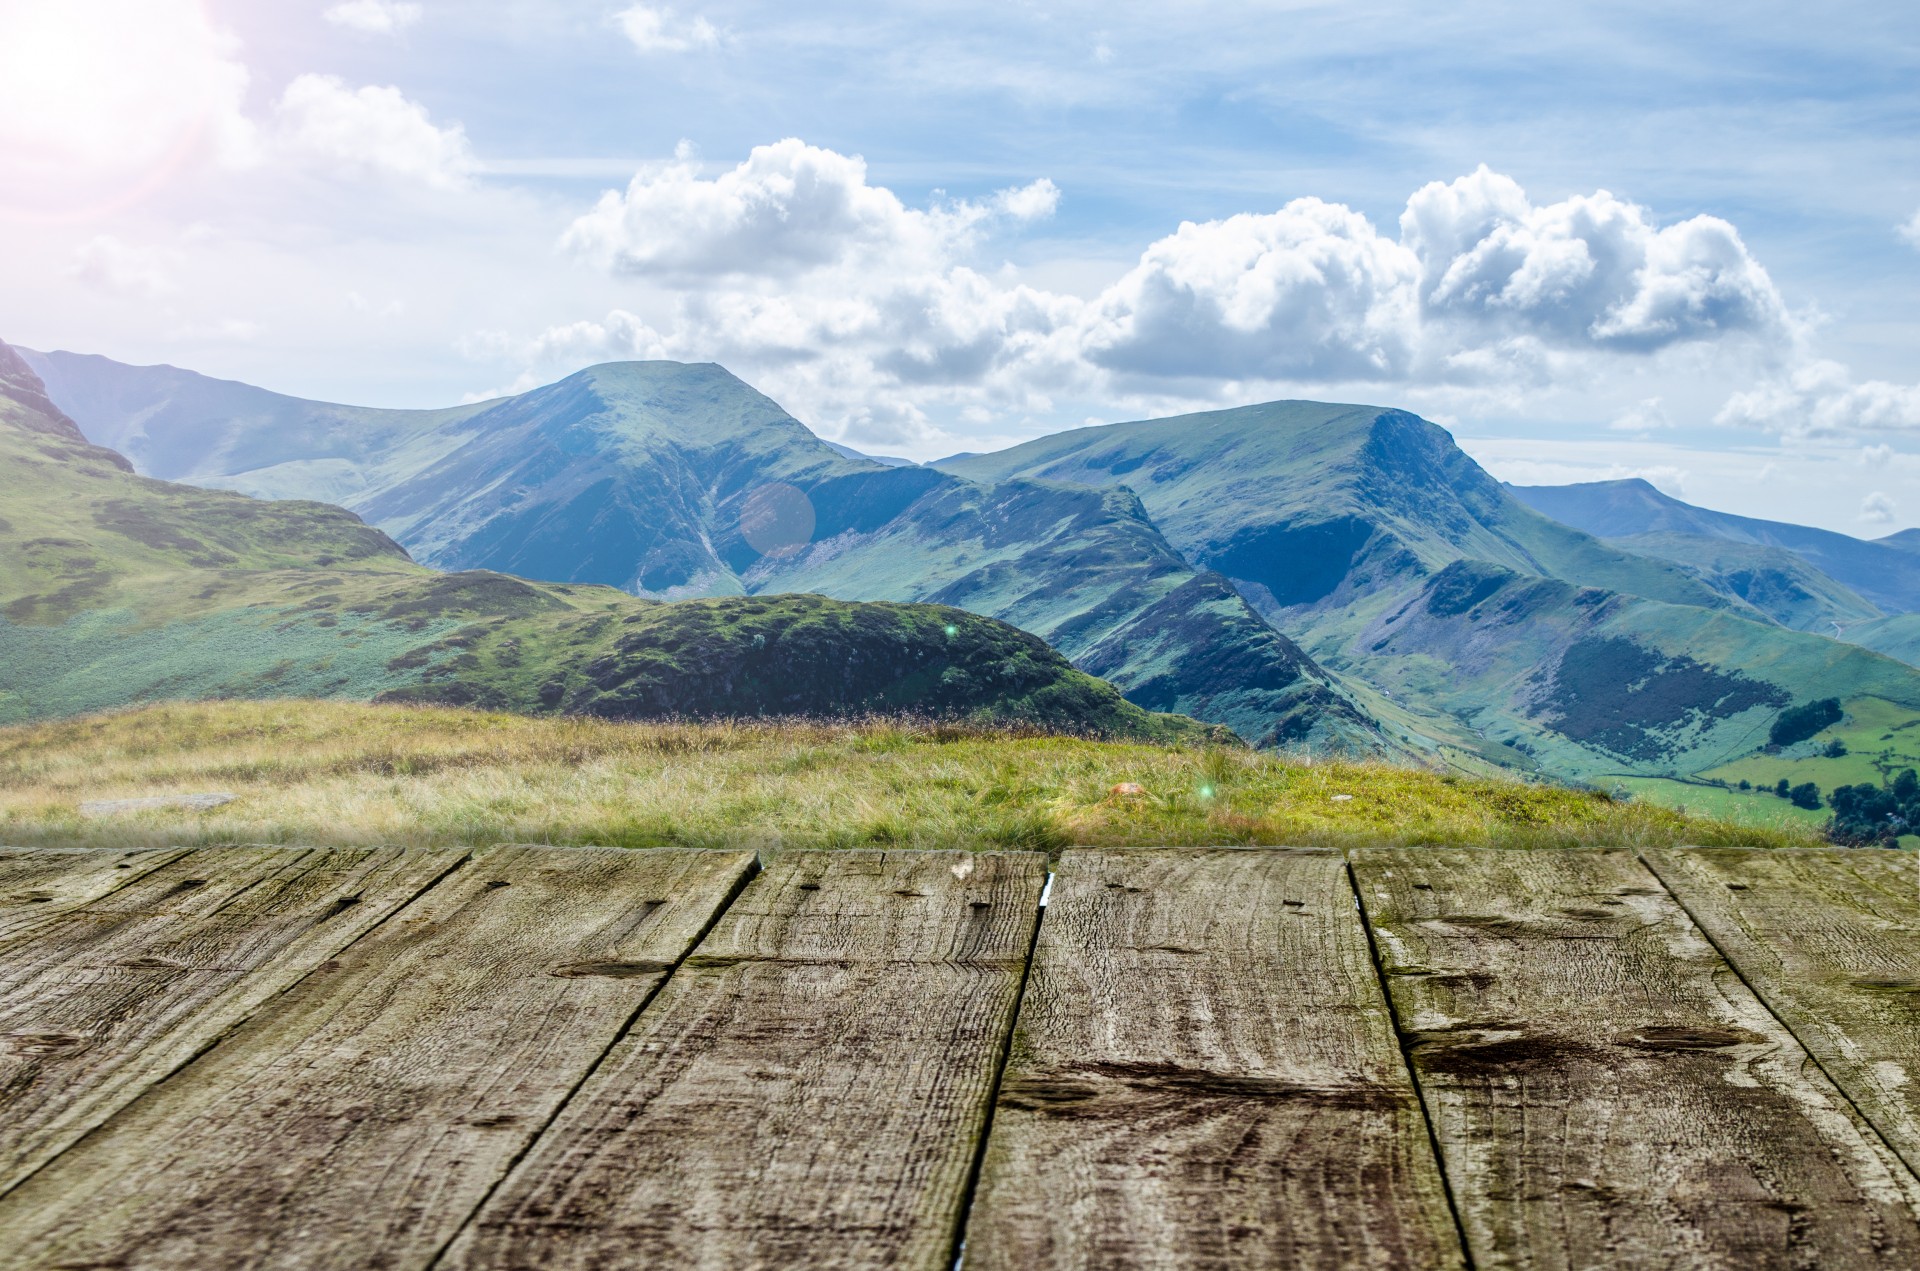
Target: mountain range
{"points": [[1304, 573], [117, 588], [671, 481]]}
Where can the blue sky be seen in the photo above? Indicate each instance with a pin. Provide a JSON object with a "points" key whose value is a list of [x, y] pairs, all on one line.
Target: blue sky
{"points": [[1670, 240]]}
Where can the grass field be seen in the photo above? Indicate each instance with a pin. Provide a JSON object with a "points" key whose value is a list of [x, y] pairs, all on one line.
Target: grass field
{"points": [[338, 773], [1881, 739], [1743, 807]]}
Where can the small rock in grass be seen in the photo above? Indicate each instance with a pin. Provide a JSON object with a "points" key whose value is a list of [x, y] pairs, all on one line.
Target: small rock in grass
{"points": [[1129, 789], [194, 802], [1343, 798]]}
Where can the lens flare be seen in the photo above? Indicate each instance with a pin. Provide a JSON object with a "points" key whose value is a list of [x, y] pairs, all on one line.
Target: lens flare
{"points": [[103, 101]]}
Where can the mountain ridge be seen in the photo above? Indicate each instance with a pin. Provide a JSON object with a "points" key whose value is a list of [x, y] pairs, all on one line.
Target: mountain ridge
{"points": [[117, 588]]}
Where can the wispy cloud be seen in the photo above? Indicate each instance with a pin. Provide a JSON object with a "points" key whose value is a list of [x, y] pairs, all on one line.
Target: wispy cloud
{"points": [[374, 17], [655, 29], [109, 265]]}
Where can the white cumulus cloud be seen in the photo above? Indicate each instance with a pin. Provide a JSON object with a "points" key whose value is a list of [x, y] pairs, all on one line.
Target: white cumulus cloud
{"points": [[789, 208], [1911, 230], [377, 130], [1592, 271], [1647, 416], [1817, 397], [654, 29], [1878, 509], [1032, 202], [1310, 291], [374, 17]]}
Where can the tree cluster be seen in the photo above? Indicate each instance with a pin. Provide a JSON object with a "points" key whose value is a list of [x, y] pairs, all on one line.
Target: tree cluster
{"points": [[1865, 815], [1802, 722]]}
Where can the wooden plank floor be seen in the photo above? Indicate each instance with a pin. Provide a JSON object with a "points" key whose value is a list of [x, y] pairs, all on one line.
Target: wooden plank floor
{"points": [[1831, 940], [387, 1093], [1189, 1058], [808, 1091], [1604, 1091], [1205, 1075]]}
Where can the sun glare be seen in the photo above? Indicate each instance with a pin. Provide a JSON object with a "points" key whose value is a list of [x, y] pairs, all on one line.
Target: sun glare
{"points": [[102, 97]]}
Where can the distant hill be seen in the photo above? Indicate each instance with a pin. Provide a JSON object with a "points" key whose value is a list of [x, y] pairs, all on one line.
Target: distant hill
{"points": [[117, 589], [1905, 540], [891, 461], [1780, 583], [1897, 636], [1885, 573], [671, 480]]}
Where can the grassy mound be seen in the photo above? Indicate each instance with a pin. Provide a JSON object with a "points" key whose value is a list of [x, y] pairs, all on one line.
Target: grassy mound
{"points": [[340, 773]]}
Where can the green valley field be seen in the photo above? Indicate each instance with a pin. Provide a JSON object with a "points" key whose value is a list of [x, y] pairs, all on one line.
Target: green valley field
{"points": [[338, 773]]}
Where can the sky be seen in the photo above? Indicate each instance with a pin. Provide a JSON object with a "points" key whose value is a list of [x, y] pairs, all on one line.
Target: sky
{"points": [[1664, 240]]}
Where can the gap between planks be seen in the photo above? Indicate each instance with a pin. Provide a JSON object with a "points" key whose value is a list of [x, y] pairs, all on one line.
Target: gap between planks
{"points": [[1856, 1076]]}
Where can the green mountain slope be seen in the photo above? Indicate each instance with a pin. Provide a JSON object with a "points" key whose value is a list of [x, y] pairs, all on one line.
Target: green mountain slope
{"points": [[670, 481], [1881, 572], [115, 589], [1398, 563], [1897, 636]]}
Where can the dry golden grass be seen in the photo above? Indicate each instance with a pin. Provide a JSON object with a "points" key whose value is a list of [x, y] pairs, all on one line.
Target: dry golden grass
{"points": [[338, 773]]}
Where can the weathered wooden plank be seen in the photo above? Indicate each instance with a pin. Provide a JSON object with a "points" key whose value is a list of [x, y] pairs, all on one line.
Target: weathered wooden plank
{"points": [[807, 1090], [37, 883], [1205, 1074], [1605, 1091], [108, 998], [27, 868], [359, 1119], [1831, 941]]}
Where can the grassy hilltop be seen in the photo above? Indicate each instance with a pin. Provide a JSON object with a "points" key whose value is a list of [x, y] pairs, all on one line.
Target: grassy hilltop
{"points": [[339, 773]]}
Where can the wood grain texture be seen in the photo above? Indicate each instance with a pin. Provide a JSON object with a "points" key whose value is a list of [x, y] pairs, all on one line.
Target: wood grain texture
{"points": [[1205, 1074], [359, 1119], [1831, 941], [38, 883], [807, 1090], [106, 999], [1605, 1091]]}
